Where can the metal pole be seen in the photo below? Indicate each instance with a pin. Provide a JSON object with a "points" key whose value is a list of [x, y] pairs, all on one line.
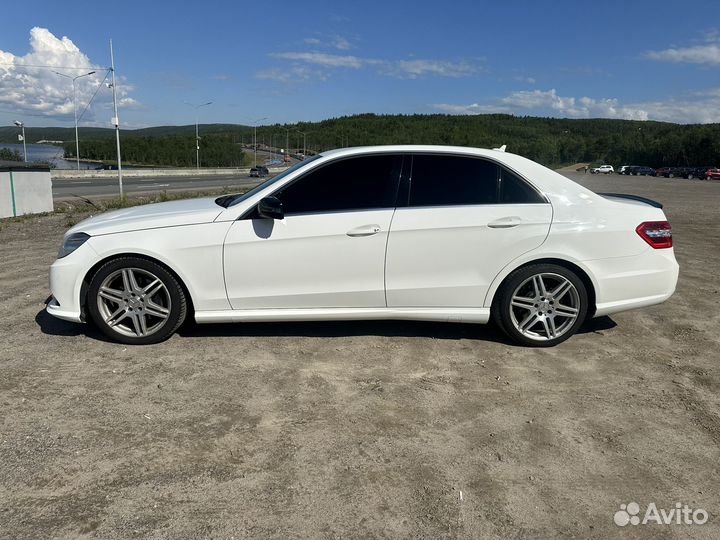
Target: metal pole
{"points": [[24, 147], [197, 141], [77, 139], [197, 132], [255, 144], [116, 121]]}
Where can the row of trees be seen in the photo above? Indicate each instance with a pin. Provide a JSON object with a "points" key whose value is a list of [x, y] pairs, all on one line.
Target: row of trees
{"points": [[215, 151], [10, 155], [551, 141]]}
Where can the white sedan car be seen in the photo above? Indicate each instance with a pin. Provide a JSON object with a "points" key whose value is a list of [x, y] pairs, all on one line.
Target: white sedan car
{"points": [[389, 232]]}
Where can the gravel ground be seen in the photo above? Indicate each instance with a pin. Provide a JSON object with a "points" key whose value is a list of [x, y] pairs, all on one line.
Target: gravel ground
{"points": [[378, 429]]}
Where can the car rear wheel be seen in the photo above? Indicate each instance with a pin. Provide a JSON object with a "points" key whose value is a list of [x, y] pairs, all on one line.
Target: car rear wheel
{"points": [[136, 301], [541, 305]]}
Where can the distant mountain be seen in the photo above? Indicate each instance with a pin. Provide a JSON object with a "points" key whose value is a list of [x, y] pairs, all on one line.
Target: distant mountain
{"points": [[34, 134]]}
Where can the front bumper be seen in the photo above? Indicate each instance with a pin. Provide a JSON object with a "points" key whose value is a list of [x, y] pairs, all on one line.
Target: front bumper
{"points": [[66, 283], [53, 308]]}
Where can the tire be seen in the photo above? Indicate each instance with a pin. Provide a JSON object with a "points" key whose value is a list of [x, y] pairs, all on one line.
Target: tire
{"points": [[690, 177], [136, 301], [527, 313]]}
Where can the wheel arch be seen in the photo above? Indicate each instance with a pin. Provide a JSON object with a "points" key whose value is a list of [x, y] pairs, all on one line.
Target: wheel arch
{"points": [[581, 272], [87, 278]]}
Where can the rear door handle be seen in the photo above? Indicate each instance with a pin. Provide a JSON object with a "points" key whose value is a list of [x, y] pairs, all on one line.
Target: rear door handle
{"points": [[505, 222], [365, 230]]}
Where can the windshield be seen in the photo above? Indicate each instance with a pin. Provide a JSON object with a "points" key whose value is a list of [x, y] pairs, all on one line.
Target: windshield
{"points": [[227, 201]]}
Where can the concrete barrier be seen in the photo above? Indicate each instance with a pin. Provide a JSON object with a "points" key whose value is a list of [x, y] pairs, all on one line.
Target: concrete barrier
{"points": [[25, 190], [138, 173]]}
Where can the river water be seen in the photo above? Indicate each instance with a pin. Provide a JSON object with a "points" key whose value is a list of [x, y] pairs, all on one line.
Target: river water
{"points": [[49, 154]]}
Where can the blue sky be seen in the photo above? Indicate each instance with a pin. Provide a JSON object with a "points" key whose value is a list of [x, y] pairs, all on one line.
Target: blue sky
{"points": [[293, 61]]}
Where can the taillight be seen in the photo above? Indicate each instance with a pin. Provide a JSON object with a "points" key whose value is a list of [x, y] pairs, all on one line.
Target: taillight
{"points": [[656, 233]]}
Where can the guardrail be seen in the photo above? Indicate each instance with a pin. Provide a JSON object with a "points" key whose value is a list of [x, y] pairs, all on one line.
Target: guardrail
{"points": [[134, 173]]}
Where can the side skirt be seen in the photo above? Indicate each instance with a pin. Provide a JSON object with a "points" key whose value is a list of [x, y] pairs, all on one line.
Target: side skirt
{"points": [[468, 315]]}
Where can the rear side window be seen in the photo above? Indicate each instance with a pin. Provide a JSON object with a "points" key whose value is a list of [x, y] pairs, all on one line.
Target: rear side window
{"points": [[515, 190], [356, 183], [446, 180]]}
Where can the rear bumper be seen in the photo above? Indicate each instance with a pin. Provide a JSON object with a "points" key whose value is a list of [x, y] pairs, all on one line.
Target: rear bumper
{"points": [[624, 283]]}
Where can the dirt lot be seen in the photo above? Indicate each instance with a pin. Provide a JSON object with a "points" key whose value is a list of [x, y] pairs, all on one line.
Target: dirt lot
{"points": [[386, 429]]}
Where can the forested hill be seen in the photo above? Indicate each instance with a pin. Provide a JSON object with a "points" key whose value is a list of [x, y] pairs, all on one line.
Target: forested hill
{"points": [[550, 141]]}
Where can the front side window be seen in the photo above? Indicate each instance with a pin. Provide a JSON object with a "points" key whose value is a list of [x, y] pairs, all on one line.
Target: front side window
{"points": [[356, 183]]}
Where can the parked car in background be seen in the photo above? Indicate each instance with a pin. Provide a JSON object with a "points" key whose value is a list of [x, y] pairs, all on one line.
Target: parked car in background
{"points": [[685, 172], [640, 170], [433, 233], [603, 169], [712, 174], [623, 169], [662, 171], [698, 172]]}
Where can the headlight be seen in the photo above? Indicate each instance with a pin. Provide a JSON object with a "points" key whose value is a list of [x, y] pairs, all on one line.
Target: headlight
{"points": [[71, 243]]}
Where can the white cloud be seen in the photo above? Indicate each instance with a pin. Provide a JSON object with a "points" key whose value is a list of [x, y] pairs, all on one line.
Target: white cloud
{"points": [[29, 86], [403, 69], [698, 54], [335, 42], [292, 74], [708, 52], [528, 80], [327, 60], [412, 69], [701, 107], [583, 107], [341, 43]]}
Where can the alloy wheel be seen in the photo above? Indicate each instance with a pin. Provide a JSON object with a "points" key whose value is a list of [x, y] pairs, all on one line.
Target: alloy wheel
{"points": [[134, 302], [544, 306]]}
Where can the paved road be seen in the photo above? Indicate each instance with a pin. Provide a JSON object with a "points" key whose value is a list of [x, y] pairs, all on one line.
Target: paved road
{"points": [[68, 188]]}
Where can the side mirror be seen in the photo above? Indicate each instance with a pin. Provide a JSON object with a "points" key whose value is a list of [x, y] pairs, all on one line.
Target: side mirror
{"points": [[270, 208]]}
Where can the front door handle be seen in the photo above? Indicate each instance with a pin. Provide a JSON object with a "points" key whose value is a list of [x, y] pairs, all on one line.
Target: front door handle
{"points": [[365, 230], [505, 222]]}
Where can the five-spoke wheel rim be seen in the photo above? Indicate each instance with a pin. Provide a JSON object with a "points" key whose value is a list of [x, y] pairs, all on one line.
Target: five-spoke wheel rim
{"points": [[134, 302], [544, 306]]}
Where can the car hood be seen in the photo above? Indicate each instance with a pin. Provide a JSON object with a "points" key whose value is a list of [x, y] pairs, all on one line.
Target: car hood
{"points": [[151, 216]]}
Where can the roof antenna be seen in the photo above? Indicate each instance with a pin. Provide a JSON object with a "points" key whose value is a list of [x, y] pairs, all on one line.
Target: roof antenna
{"points": [[501, 149]]}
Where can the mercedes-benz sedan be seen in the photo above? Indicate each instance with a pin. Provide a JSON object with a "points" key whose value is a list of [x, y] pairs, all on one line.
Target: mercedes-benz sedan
{"points": [[390, 232]]}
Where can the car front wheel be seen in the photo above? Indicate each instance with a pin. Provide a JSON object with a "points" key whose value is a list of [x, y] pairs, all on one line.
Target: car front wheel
{"points": [[541, 305], [136, 301]]}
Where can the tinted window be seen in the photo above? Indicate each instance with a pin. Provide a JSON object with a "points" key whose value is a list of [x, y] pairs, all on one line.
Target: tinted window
{"points": [[439, 180], [514, 190], [349, 184]]}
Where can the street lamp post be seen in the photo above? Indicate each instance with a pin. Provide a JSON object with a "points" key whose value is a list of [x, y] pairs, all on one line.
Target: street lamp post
{"points": [[21, 125], [116, 120], [255, 123], [77, 140], [304, 134], [197, 134]]}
